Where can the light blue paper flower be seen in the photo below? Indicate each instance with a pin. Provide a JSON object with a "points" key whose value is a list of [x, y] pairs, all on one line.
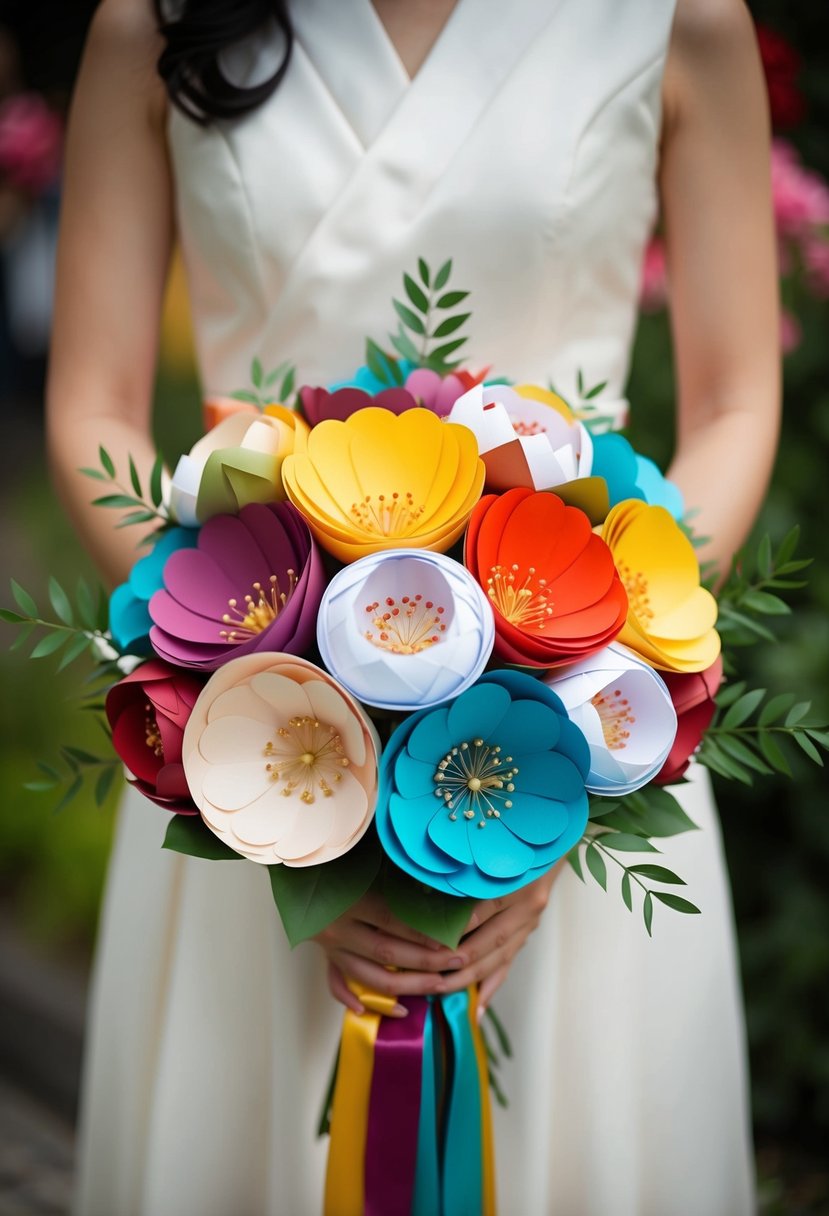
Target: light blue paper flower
{"points": [[629, 475], [129, 617], [481, 795], [405, 629], [365, 378]]}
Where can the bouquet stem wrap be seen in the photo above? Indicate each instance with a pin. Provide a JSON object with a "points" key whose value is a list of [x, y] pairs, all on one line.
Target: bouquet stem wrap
{"points": [[411, 1125]]}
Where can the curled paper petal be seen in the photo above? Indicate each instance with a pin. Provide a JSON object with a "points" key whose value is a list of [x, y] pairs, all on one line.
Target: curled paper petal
{"points": [[630, 475], [455, 808], [281, 762], [405, 629], [624, 710], [129, 613], [693, 697]]}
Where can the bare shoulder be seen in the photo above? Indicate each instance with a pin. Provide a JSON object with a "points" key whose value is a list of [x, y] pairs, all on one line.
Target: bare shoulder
{"points": [[713, 47]]}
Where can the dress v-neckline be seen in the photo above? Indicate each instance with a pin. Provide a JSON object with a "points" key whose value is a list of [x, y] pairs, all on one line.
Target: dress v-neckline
{"points": [[434, 49]]}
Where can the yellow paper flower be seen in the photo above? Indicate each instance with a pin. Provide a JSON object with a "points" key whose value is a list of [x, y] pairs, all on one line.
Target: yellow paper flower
{"points": [[385, 481], [671, 618]]}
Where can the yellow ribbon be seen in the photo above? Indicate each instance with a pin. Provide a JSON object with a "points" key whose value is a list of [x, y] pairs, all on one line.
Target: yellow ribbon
{"points": [[487, 1139]]}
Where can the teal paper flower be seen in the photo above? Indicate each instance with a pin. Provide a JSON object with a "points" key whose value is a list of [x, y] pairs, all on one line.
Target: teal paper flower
{"points": [[129, 616], [482, 794], [629, 475], [365, 379]]}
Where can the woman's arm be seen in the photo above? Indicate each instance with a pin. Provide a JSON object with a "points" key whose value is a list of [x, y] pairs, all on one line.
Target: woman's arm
{"points": [[115, 239], [716, 203]]}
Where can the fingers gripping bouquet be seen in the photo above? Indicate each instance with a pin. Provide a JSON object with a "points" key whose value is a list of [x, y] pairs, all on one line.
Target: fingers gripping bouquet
{"points": [[421, 634]]}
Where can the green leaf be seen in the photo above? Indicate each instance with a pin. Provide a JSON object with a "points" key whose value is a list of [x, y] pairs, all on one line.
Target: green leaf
{"points": [[256, 373], [117, 500], [451, 298], [404, 346], [729, 619], [449, 326], [809, 748], [714, 757], [743, 708], [134, 478], [441, 353], [104, 784], [575, 862], [742, 753], [625, 843], [579, 382], [596, 865], [156, 477], [95, 473], [656, 812], [423, 270], [416, 294], [23, 600], [595, 390], [787, 546], [442, 276], [243, 394], [797, 712], [80, 642], [136, 517], [12, 618], [730, 693], [440, 916], [764, 559], [626, 895], [60, 601], [49, 644], [81, 756], [657, 874], [762, 601], [600, 806], [309, 898], [775, 707], [820, 736], [288, 384], [71, 793], [647, 912], [772, 752], [22, 637], [39, 787], [504, 1042], [187, 834], [410, 319], [675, 901], [106, 462], [379, 362]]}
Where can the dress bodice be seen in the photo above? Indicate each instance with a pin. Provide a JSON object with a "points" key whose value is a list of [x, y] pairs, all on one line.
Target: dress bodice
{"points": [[525, 149]]}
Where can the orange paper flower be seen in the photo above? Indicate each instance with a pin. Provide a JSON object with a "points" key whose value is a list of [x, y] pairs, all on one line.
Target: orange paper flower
{"points": [[552, 582], [671, 618], [385, 481]]}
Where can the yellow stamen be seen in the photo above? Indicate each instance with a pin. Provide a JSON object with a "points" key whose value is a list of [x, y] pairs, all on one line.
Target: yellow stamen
{"points": [[258, 612], [524, 602]]}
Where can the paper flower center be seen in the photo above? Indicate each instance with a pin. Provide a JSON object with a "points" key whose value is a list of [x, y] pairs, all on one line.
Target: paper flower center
{"points": [[258, 611], [308, 755], [475, 779], [636, 586], [525, 601], [523, 428], [152, 735], [387, 514], [615, 717], [405, 626]]}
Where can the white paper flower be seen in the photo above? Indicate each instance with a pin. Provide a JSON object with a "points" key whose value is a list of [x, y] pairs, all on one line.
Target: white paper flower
{"points": [[625, 712], [527, 436], [405, 629]]}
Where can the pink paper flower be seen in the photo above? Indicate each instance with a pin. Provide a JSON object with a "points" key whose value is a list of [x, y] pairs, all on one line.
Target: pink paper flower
{"points": [[801, 197], [253, 583], [693, 698], [148, 711], [281, 761], [30, 142]]}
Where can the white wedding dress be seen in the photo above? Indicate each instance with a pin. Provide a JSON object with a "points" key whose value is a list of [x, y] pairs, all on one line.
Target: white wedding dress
{"points": [[525, 149]]}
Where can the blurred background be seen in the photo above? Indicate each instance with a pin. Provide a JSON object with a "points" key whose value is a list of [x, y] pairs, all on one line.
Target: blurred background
{"points": [[53, 862]]}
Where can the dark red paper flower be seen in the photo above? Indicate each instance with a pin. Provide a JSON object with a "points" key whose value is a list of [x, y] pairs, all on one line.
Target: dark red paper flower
{"points": [[781, 65], [148, 711], [693, 697], [318, 404]]}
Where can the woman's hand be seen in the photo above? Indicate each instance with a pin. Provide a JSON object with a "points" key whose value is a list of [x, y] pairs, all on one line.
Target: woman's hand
{"points": [[368, 940]]}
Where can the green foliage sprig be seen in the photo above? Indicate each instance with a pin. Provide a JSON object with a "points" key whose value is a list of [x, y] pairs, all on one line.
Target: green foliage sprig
{"points": [[78, 628], [261, 393], [142, 508], [749, 591], [746, 734], [422, 323]]}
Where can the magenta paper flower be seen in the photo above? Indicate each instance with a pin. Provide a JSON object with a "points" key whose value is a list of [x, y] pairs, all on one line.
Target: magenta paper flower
{"points": [[253, 583], [147, 712], [281, 761], [434, 392], [318, 404]]}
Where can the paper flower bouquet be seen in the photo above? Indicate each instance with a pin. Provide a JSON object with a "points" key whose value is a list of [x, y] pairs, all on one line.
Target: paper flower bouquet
{"points": [[424, 633]]}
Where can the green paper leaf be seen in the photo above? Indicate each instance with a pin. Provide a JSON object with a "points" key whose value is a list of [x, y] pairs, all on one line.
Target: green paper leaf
{"points": [[647, 913], [60, 601], [596, 865], [381, 364], [440, 916], [106, 462], [788, 545], [657, 874], [23, 600], [80, 642], [764, 559], [256, 373], [626, 894], [809, 748], [134, 478], [288, 384], [730, 693], [449, 326], [743, 708], [71, 793], [410, 319], [595, 390], [104, 784], [762, 601], [22, 637], [117, 500], [742, 753], [404, 346], [575, 862], [600, 807], [49, 644], [773, 753], [12, 618], [187, 834], [675, 901], [798, 712], [715, 758], [156, 492], [94, 473], [656, 812], [451, 298], [243, 395], [625, 843], [416, 294], [441, 353], [309, 898], [775, 707], [442, 276], [423, 270]]}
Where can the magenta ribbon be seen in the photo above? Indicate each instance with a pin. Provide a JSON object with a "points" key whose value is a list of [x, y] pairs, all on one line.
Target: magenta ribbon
{"points": [[394, 1112]]}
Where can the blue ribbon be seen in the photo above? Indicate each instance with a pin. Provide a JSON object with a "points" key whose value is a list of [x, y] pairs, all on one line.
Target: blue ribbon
{"points": [[462, 1162]]}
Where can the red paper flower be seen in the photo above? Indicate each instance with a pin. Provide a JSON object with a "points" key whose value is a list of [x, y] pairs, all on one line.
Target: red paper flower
{"points": [[781, 65], [552, 583], [148, 711], [693, 697]]}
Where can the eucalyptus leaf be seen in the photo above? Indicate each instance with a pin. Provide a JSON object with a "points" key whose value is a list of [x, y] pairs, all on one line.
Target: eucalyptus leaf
{"points": [[798, 712], [117, 500], [256, 373]]}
